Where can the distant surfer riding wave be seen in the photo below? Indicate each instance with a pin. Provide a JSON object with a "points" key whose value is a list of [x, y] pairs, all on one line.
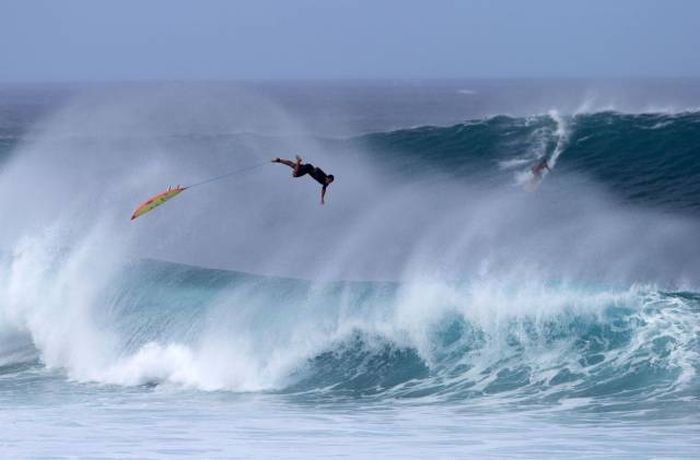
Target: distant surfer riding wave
{"points": [[539, 167], [536, 175]]}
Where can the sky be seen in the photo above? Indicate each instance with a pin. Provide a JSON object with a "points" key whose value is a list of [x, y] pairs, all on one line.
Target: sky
{"points": [[108, 40]]}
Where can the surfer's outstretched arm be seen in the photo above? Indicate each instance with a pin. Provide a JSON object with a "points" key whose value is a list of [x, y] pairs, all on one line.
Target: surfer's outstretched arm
{"points": [[323, 194]]}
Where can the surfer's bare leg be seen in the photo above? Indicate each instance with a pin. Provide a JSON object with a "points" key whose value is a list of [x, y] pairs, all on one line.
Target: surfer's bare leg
{"points": [[292, 164], [289, 163]]}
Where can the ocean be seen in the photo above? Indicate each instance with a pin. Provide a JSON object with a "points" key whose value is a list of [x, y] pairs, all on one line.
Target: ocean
{"points": [[445, 302]]}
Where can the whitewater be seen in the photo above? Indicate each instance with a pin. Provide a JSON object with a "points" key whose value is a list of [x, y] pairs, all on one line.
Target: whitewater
{"points": [[436, 305]]}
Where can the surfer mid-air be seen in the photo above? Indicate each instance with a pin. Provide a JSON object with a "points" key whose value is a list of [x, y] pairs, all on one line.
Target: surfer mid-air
{"points": [[300, 169]]}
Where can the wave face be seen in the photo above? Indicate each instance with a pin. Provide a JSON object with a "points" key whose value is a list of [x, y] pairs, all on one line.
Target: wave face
{"points": [[464, 278], [646, 158], [489, 341]]}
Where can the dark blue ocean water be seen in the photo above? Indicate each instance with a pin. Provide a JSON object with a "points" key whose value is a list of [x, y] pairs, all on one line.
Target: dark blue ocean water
{"points": [[446, 301]]}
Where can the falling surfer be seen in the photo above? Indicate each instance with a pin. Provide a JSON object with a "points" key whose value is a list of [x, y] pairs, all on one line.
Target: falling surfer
{"points": [[301, 169]]}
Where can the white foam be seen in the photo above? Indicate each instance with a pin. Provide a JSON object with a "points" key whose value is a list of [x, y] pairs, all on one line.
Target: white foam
{"points": [[69, 246]]}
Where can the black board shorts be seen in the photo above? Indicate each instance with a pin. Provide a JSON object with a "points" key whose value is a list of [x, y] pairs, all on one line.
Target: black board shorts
{"points": [[313, 171]]}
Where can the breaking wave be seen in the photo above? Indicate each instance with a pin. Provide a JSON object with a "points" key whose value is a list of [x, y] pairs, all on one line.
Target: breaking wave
{"points": [[460, 284]]}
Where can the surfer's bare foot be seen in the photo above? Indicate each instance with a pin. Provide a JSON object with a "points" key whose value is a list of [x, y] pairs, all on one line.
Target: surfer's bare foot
{"points": [[276, 160]]}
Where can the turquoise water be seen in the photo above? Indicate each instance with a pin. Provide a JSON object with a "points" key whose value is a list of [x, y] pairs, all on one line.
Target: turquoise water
{"points": [[96, 421], [444, 302]]}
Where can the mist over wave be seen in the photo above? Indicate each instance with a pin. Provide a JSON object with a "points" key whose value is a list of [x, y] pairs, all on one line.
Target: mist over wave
{"points": [[430, 272]]}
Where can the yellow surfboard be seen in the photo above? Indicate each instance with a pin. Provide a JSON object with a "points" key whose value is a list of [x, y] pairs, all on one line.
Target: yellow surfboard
{"points": [[156, 200]]}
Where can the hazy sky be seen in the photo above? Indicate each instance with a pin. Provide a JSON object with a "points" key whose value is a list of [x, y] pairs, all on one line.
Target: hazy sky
{"points": [[218, 39]]}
